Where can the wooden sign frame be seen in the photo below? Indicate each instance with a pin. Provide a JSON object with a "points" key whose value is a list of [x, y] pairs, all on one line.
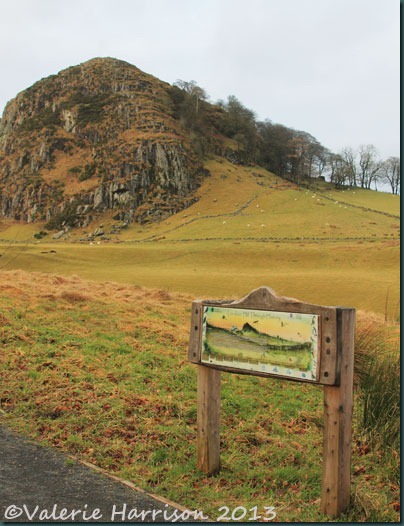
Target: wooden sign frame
{"points": [[334, 370], [266, 300]]}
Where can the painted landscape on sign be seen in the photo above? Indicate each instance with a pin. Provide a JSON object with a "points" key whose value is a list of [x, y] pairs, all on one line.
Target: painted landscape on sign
{"points": [[277, 343]]}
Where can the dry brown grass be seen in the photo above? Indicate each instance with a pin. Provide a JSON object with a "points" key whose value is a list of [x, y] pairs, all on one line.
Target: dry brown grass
{"points": [[377, 377], [32, 286]]}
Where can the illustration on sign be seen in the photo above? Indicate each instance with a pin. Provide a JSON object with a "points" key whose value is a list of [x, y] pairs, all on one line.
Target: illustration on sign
{"points": [[277, 343]]}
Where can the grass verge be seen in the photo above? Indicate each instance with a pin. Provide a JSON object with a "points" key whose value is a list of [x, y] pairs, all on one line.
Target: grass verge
{"points": [[99, 370], [363, 274]]}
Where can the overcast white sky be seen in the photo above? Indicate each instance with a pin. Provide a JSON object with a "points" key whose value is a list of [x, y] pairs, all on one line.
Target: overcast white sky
{"points": [[328, 67]]}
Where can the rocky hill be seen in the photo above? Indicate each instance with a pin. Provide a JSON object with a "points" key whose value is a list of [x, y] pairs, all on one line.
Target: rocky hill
{"points": [[99, 136]]}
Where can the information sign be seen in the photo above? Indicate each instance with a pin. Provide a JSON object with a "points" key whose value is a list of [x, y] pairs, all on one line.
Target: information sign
{"points": [[268, 335], [273, 342]]}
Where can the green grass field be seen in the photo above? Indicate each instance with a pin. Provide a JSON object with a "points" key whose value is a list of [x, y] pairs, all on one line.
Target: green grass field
{"points": [[98, 368], [364, 275]]}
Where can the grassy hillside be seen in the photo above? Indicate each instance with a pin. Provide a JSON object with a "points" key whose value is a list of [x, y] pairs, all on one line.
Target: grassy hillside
{"points": [[239, 202], [100, 370], [248, 228]]}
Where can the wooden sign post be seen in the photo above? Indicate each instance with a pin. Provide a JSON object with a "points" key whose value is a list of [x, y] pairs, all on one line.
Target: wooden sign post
{"points": [[264, 334]]}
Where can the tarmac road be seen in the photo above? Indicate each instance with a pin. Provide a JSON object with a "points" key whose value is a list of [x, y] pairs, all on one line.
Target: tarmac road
{"points": [[40, 484]]}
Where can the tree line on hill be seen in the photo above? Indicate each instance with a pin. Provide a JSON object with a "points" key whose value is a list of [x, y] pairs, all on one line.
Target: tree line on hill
{"points": [[292, 154]]}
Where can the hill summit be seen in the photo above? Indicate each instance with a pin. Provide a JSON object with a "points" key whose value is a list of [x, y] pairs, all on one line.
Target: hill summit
{"points": [[97, 136]]}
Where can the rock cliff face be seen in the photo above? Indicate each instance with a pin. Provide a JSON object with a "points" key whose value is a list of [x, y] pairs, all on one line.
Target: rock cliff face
{"points": [[97, 136]]}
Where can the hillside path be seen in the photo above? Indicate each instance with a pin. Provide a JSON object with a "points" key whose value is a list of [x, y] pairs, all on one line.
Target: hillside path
{"points": [[37, 480]]}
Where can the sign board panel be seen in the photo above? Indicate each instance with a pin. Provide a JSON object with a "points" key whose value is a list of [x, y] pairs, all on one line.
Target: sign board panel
{"points": [[280, 343], [265, 334]]}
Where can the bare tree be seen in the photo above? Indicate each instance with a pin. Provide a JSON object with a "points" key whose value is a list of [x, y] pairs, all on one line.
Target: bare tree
{"points": [[340, 170], [390, 173], [195, 93], [369, 166], [313, 153], [321, 161], [350, 169]]}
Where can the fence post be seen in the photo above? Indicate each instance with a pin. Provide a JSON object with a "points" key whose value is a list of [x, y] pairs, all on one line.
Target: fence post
{"points": [[208, 420], [338, 405]]}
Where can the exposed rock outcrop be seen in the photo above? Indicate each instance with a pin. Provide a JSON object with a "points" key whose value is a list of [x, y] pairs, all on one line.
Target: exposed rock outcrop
{"points": [[98, 136]]}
